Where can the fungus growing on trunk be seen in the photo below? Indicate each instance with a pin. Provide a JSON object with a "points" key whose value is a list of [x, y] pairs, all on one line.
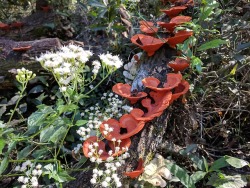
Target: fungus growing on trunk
{"points": [[179, 38], [137, 172], [172, 81], [127, 122], [21, 49], [180, 19], [4, 27], [181, 89], [124, 90], [174, 11], [17, 25], [179, 64], [168, 26], [148, 27], [90, 144], [147, 43]]}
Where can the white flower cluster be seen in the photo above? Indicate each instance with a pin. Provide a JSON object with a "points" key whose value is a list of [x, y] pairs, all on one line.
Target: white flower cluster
{"points": [[32, 174], [77, 148], [114, 108], [67, 61], [109, 176], [97, 66], [130, 69], [111, 60]]}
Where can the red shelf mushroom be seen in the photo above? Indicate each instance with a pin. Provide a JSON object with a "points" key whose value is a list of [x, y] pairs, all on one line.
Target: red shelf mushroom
{"points": [[21, 49], [139, 170], [148, 27], [147, 43], [179, 38], [124, 90], [180, 19], [174, 11], [181, 89], [179, 64]]}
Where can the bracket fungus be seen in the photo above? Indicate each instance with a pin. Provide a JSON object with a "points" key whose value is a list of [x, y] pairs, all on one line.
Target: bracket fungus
{"points": [[173, 81], [124, 90], [4, 27], [21, 49], [139, 170], [179, 64], [148, 27], [181, 89], [168, 26], [17, 25], [174, 11], [127, 122], [180, 19], [96, 144], [179, 38], [147, 43]]}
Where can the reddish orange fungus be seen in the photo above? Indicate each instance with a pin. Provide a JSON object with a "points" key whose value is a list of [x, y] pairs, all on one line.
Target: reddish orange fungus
{"points": [[139, 170], [174, 11], [21, 49], [124, 90], [179, 64], [148, 43], [181, 19], [148, 27]]}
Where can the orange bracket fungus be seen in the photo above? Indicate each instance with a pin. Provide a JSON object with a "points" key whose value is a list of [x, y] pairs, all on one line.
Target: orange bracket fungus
{"points": [[139, 170], [180, 19], [95, 144], [172, 81], [168, 26], [179, 38], [127, 122], [21, 49], [148, 27], [147, 43], [179, 64], [174, 11], [181, 89], [124, 90], [46, 8]]}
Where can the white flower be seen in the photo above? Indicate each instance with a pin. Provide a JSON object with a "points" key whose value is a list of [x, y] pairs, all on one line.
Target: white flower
{"points": [[93, 181], [20, 179], [26, 180], [39, 172], [39, 166], [95, 170], [17, 168], [63, 89], [98, 161], [105, 184], [24, 186], [110, 60], [34, 172], [108, 179]]}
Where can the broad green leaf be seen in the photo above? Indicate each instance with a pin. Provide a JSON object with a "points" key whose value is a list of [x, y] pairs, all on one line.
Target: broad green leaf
{"points": [[95, 3], [58, 134], [218, 164], [41, 153], [243, 46], [197, 176], [4, 164], [235, 162], [24, 152], [211, 44], [46, 134], [67, 108], [180, 173], [81, 122], [36, 89], [2, 144], [196, 63], [63, 176], [224, 181]]}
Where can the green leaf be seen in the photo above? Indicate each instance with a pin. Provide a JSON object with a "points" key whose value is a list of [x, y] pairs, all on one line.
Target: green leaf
{"points": [[95, 3], [2, 144], [63, 176], [180, 173], [81, 122], [46, 134], [218, 164], [4, 164], [235, 162], [224, 181], [197, 176], [58, 134], [24, 152], [211, 44], [41, 153], [67, 108], [196, 63]]}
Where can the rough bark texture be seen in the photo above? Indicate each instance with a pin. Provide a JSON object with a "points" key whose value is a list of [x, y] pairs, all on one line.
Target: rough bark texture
{"points": [[14, 59]]}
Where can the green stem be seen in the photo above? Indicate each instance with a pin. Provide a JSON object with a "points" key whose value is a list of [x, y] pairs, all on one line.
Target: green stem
{"points": [[19, 99]]}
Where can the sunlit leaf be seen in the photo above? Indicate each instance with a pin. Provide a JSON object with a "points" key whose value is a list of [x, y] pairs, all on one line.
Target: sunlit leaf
{"points": [[211, 44]]}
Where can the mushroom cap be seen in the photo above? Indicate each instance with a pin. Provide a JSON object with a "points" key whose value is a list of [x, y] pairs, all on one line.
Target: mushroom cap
{"points": [[174, 11], [124, 90], [179, 64], [179, 38], [21, 49], [169, 26], [101, 146], [17, 25], [147, 43], [172, 81], [137, 172], [148, 27], [4, 26], [180, 19], [128, 122], [181, 89]]}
